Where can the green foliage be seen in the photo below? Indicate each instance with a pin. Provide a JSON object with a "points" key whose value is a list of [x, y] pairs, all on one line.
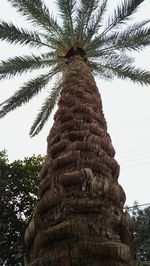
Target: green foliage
{"points": [[20, 64], [18, 194], [25, 94], [83, 27], [141, 221], [15, 35], [35, 11], [66, 10], [46, 109], [122, 13]]}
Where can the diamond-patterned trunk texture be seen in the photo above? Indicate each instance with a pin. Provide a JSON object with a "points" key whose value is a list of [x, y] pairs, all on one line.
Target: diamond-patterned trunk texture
{"points": [[79, 219]]}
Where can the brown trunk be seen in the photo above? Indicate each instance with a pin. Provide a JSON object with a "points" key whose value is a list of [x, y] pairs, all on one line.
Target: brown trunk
{"points": [[79, 219]]}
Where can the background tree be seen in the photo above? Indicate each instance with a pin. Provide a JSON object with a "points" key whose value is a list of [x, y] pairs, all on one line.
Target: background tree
{"points": [[141, 221], [18, 194]]}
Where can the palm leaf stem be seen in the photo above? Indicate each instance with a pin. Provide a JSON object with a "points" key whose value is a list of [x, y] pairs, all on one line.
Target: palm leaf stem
{"points": [[30, 89], [46, 109], [36, 11], [66, 8], [93, 28], [13, 34], [125, 10], [83, 18], [126, 71], [19, 65]]}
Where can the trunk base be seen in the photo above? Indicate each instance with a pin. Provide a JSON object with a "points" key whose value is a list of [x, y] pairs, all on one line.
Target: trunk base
{"points": [[84, 233]]}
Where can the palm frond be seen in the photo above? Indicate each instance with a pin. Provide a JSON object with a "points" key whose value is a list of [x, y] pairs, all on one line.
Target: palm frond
{"points": [[123, 71], [15, 35], [84, 14], [22, 64], [110, 41], [94, 23], [37, 12], [124, 10], [92, 46], [100, 44], [105, 59], [115, 57], [101, 72], [59, 44], [133, 38], [66, 10], [138, 25], [46, 109], [26, 93]]}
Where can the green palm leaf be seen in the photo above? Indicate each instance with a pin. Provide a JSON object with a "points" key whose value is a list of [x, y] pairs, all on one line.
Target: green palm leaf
{"points": [[124, 71], [100, 44], [101, 72], [15, 35], [46, 109], [37, 12], [129, 39], [21, 64], [115, 57], [27, 91], [124, 10], [94, 22], [57, 44], [99, 65], [84, 14], [133, 38], [112, 40], [66, 9]]}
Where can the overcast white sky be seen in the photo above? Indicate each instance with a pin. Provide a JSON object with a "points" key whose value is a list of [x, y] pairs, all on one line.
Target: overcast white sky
{"points": [[126, 107]]}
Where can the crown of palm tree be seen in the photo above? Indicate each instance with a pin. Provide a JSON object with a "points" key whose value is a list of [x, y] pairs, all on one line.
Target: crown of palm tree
{"points": [[85, 29]]}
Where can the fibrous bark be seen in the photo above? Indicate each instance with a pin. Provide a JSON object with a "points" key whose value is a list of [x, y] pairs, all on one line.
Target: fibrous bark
{"points": [[79, 219]]}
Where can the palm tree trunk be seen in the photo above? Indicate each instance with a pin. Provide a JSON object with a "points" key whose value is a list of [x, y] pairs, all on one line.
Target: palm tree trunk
{"points": [[79, 219]]}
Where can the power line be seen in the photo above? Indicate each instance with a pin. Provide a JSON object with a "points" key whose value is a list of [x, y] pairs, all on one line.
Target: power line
{"points": [[136, 165], [120, 148], [134, 156], [136, 159], [134, 124], [131, 140], [132, 151], [135, 206]]}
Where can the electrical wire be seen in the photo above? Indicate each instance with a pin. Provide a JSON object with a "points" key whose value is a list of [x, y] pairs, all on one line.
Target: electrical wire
{"points": [[133, 124], [136, 165], [137, 205], [133, 151], [136, 159]]}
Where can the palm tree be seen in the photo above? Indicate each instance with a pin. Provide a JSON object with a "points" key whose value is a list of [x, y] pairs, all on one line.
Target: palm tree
{"points": [[79, 218]]}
